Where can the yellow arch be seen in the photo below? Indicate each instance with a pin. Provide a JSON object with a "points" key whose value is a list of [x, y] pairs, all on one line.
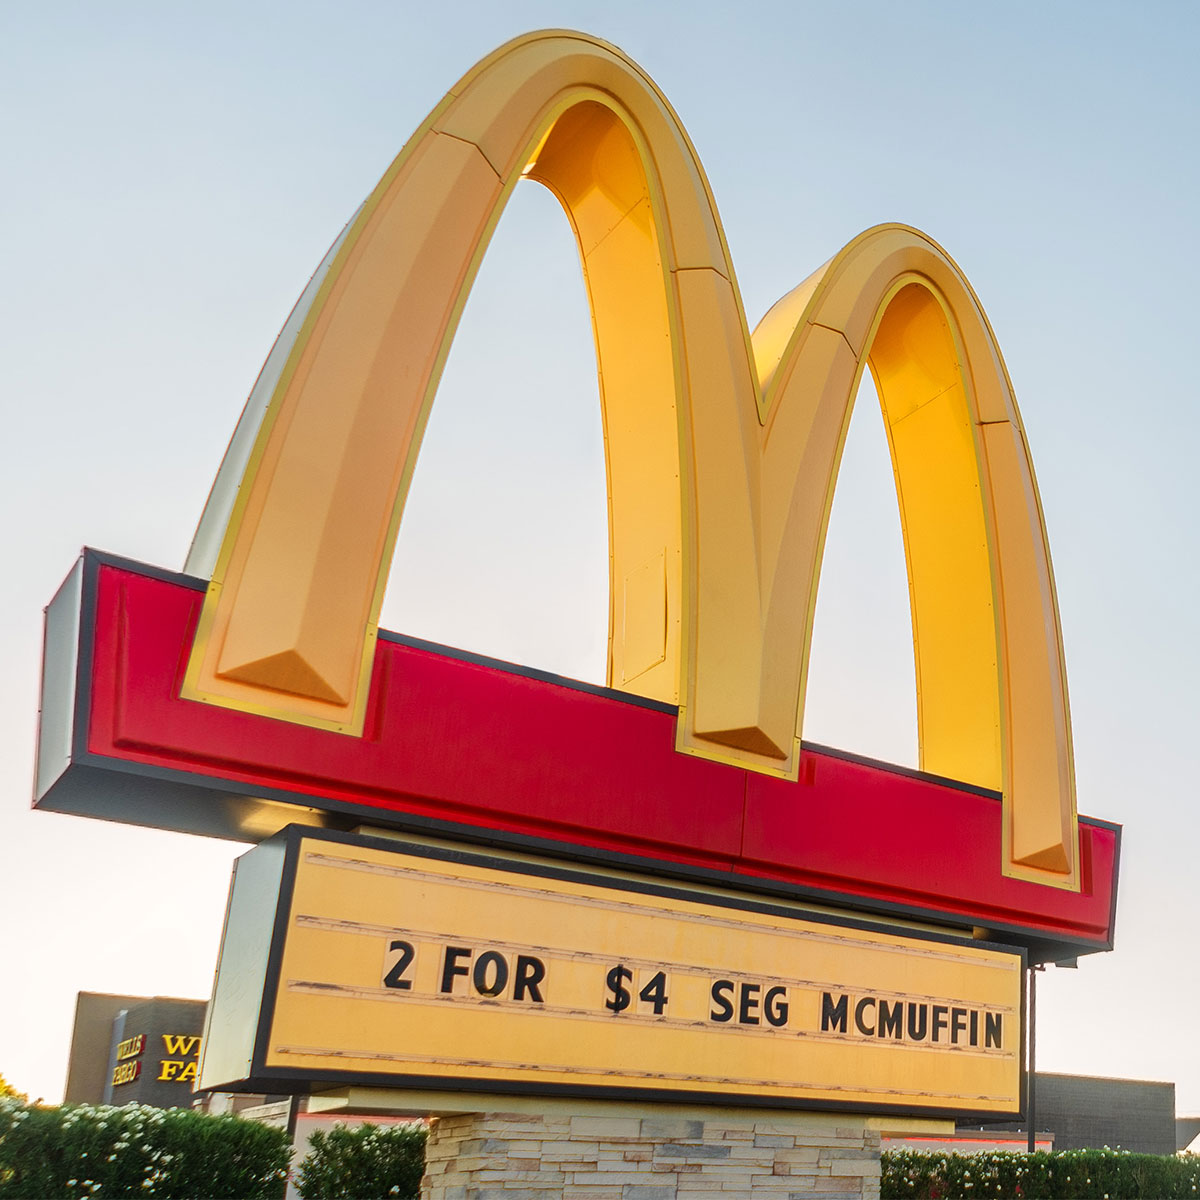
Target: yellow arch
{"points": [[722, 449]]}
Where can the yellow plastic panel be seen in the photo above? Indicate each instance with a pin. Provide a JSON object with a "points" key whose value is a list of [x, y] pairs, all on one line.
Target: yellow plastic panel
{"points": [[921, 392], [591, 163], [1040, 835], [722, 450], [502, 106], [857, 280], [293, 597], [725, 605], [644, 616], [804, 440], [774, 333]]}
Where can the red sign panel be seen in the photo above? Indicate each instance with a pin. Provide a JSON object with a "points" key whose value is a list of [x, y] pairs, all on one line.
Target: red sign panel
{"points": [[480, 750]]}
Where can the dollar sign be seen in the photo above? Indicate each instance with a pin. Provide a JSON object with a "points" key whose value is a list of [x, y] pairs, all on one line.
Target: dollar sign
{"points": [[620, 993]]}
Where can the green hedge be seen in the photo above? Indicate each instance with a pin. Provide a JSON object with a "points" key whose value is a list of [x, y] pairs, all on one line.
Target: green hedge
{"points": [[350, 1163], [1103, 1174], [80, 1151], [387, 1161]]}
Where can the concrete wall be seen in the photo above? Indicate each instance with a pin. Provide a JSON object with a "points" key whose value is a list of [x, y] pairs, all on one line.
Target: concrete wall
{"points": [[1090, 1112]]}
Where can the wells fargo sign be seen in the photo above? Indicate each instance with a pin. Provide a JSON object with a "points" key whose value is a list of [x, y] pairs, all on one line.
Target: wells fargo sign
{"points": [[178, 1062], [450, 969], [256, 689]]}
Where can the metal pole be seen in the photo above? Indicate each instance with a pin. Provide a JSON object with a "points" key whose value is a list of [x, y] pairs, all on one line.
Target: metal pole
{"points": [[293, 1114], [1031, 1075]]}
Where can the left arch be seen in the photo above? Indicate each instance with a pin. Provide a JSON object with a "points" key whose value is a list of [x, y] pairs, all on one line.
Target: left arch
{"points": [[722, 450]]}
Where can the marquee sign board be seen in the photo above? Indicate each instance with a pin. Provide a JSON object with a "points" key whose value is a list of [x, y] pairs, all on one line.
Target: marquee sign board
{"points": [[421, 966]]}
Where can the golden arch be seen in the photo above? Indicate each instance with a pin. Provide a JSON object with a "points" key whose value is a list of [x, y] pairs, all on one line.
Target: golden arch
{"points": [[722, 449]]}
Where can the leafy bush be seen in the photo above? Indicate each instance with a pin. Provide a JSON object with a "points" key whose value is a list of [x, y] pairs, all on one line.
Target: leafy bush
{"points": [[347, 1163], [1103, 1174], [83, 1151]]}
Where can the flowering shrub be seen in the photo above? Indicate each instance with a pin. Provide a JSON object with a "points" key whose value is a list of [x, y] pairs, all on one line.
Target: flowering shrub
{"points": [[1103, 1174], [80, 1151], [345, 1163]]}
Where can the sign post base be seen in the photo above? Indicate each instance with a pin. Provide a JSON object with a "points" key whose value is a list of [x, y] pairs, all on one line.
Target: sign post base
{"points": [[661, 1154]]}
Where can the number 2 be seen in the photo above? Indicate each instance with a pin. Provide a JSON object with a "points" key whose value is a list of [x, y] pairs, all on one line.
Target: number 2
{"points": [[395, 976]]}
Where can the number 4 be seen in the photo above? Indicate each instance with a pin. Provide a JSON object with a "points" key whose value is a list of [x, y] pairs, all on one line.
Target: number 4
{"points": [[655, 992]]}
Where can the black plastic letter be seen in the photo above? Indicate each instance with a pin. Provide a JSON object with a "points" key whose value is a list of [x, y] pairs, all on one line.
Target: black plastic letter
{"points": [[720, 997], [450, 966]]}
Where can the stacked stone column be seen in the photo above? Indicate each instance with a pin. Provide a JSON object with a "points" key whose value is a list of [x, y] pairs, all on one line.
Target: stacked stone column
{"points": [[760, 1155]]}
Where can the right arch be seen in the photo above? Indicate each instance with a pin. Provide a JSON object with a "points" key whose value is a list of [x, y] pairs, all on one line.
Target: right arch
{"points": [[992, 704]]}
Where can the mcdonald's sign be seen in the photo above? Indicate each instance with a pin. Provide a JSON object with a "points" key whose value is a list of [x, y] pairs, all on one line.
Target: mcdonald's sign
{"points": [[255, 689]]}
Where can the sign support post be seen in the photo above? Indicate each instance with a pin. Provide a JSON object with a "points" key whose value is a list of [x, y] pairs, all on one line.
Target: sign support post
{"points": [[1031, 1072]]}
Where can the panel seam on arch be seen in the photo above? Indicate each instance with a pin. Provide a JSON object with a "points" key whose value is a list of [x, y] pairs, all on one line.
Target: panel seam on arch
{"points": [[474, 146]]}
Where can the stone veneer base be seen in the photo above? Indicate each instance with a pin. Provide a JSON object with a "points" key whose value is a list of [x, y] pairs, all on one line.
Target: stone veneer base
{"points": [[655, 1156]]}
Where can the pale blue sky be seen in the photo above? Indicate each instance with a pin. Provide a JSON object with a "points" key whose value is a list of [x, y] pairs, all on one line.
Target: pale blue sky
{"points": [[172, 173]]}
